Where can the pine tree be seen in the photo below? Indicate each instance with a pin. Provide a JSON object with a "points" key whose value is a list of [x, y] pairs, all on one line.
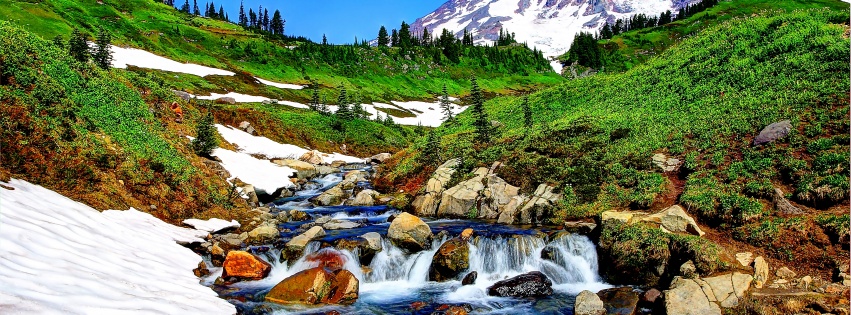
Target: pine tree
{"points": [[527, 113], [277, 23], [103, 53], [205, 136], [405, 35], [77, 46], [196, 11], [314, 99], [343, 110], [243, 20], [445, 105], [324, 40], [252, 18], [426, 39], [383, 39], [185, 8], [266, 20], [221, 15], [431, 151], [481, 121], [394, 38]]}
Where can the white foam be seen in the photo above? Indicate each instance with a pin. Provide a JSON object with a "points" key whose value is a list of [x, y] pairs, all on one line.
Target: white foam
{"points": [[58, 256]]}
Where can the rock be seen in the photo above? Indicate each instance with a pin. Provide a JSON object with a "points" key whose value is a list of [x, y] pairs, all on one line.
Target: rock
{"points": [[686, 297], [588, 303], [532, 284], [373, 240], [579, 227], [783, 206], [378, 158], [303, 169], [298, 215], [805, 283], [426, 203], [785, 273], [265, 232], [409, 232], [450, 260], [316, 286], [675, 220], [226, 100], [230, 241], [327, 258], [340, 225], [323, 219], [365, 198], [455, 310], [835, 288], [416, 306], [745, 259], [246, 126], [460, 201], [244, 265], [337, 163], [295, 247], [249, 193], [760, 272], [541, 202], [312, 157], [509, 212], [665, 163], [202, 270], [773, 132], [623, 216], [496, 195], [650, 296], [729, 288], [619, 301], [217, 255], [466, 234], [688, 270], [183, 95], [470, 278], [331, 197]]}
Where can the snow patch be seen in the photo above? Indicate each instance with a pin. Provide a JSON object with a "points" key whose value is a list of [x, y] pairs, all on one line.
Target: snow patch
{"points": [[212, 225], [264, 175], [58, 256], [281, 85], [257, 145], [122, 57]]}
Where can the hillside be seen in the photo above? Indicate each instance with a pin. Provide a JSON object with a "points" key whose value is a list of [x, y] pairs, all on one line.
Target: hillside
{"points": [[384, 75], [702, 101]]}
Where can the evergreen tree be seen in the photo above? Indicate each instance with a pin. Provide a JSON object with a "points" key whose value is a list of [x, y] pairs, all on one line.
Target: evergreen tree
{"points": [[205, 136], [243, 20], [324, 40], [221, 15], [445, 105], [185, 8], [195, 9], [481, 121], [405, 35], [450, 46], [383, 39], [103, 54], [527, 113], [77, 46], [343, 110], [394, 38], [431, 150], [277, 23], [252, 19], [426, 39], [266, 20], [314, 99]]}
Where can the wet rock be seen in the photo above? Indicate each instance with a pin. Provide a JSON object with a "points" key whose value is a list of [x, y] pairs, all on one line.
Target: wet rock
{"points": [[650, 296], [619, 301], [466, 234], [364, 198], [460, 201], [265, 232], [337, 163], [450, 260], [202, 270], [327, 258], [331, 197], [373, 240], [409, 232], [416, 306], [588, 303], [244, 265], [785, 273], [295, 247], [455, 310], [675, 220], [470, 278], [217, 255], [773, 132], [665, 163], [579, 227], [760, 272], [686, 297], [532, 284], [378, 158], [426, 203], [298, 215], [341, 225], [316, 286]]}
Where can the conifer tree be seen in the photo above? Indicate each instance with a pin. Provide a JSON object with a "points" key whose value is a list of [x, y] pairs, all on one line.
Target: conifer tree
{"points": [[481, 121], [405, 35], [324, 40], [445, 105], [195, 8], [431, 151], [77, 46], [266, 20], [394, 38], [252, 18], [277, 23], [343, 110], [205, 136], [222, 15], [243, 20], [103, 53], [383, 39], [185, 8], [527, 113], [314, 99]]}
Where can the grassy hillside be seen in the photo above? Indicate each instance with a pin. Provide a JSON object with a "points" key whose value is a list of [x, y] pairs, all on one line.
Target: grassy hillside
{"points": [[702, 101], [631, 48], [376, 74]]}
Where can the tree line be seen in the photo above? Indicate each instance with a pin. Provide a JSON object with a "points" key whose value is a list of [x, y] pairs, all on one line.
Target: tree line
{"points": [[78, 48]]}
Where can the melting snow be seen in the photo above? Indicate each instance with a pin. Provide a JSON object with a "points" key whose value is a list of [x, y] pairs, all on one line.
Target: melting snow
{"points": [[59, 256], [264, 175], [281, 85], [251, 144], [212, 225]]}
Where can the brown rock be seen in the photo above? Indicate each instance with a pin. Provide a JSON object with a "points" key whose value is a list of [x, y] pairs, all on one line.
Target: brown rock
{"points": [[244, 265], [416, 306], [202, 270], [470, 278], [466, 234], [409, 232], [327, 258], [455, 310], [621, 301], [450, 260], [316, 286], [650, 296]]}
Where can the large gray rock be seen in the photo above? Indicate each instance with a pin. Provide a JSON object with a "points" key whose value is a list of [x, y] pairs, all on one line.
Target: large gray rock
{"points": [[426, 203], [373, 240], [728, 289], [295, 247], [226, 100], [665, 163], [183, 95], [331, 197], [496, 195], [340, 225], [542, 200], [588, 303], [509, 211], [303, 169], [773, 132], [410, 232], [364, 198], [265, 232], [675, 220], [459, 201], [686, 297], [379, 158]]}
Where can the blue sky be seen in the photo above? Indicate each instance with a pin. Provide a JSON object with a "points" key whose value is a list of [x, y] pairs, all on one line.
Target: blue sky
{"points": [[340, 20]]}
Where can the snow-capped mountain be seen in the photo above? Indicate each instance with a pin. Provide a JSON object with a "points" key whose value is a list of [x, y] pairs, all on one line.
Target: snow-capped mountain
{"points": [[549, 25]]}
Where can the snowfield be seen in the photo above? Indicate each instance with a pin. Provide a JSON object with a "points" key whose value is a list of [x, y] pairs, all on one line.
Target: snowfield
{"points": [[251, 144], [58, 256], [264, 175]]}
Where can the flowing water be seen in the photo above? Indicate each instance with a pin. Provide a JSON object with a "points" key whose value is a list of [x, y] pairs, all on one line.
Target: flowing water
{"points": [[394, 279]]}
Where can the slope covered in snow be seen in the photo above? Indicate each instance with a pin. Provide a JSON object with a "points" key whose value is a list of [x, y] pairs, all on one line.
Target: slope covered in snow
{"points": [[548, 25], [58, 256], [251, 144]]}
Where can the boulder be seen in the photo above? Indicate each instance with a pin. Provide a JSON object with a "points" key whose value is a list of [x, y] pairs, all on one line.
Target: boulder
{"points": [[783, 206], [466, 234], [541, 202], [509, 212], [650, 296], [470, 278], [745, 259], [495, 196], [760, 272], [327, 258], [217, 255], [183, 95], [226, 100], [627, 217], [773, 132], [675, 220], [378, 158], [728, 289], [373, 240], [340, 225], [298, 215], [665, 163], [450, 260], [426, 203], [460, 201], [532, 284], [785, 273], [244, 265], [316, 286], [409, 232], [619, 301], [579, 227], [303, 169], [312, 157], [364, 198], [265, 232], [331, 197], [295, 247], [246, 126], [686, 297], [337, 163], [588, 303]]}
